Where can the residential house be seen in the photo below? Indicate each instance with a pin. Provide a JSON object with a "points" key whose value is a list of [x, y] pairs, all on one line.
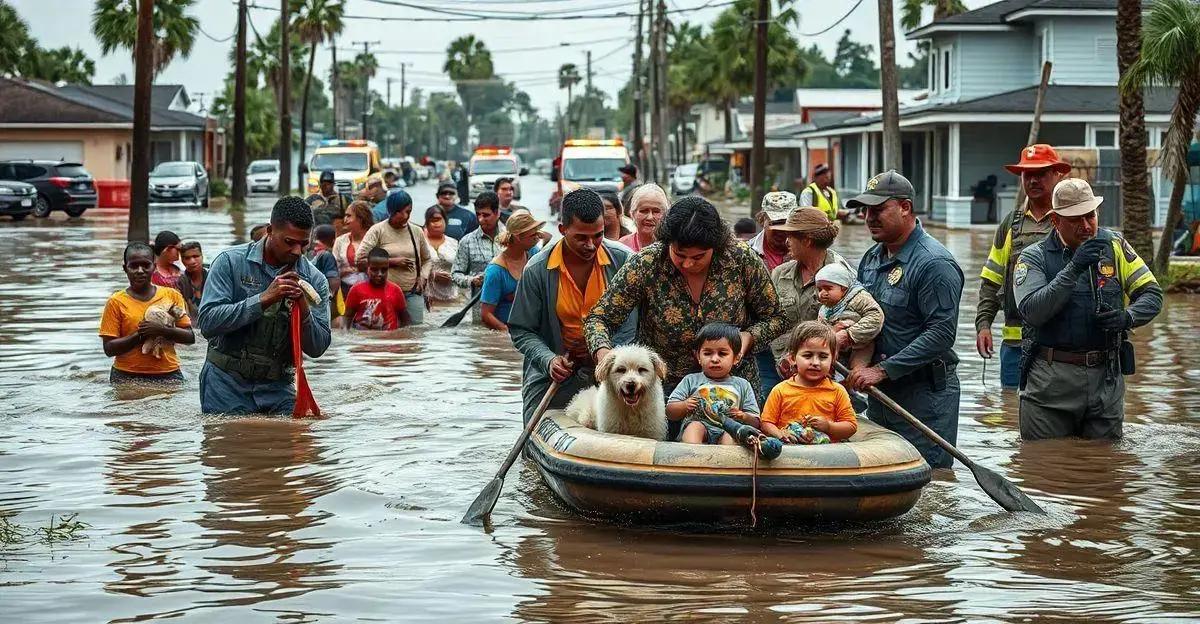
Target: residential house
{"points": [[984, 69], [94, 125]]}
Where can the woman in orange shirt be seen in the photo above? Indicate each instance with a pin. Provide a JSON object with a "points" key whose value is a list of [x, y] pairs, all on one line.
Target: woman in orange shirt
{"points": [[808, 407], [144, 349]]}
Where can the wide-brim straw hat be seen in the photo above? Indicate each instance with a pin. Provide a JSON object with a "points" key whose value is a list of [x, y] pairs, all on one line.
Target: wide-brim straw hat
{"points": [[521, 221]]}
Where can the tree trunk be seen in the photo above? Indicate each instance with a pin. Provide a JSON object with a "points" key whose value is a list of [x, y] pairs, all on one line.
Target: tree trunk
{"points": [[570, 134], [887, 83], [661, 68], [638, 108], [1174, 157], [730, 105], [239, 110], [143, 52], [1135, 188], [300, 181], [758, 151], [285, 103], [336, 89], [683, 154]]}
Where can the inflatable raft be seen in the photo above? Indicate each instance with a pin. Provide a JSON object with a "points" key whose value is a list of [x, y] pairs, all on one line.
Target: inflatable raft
{"points": [[874, 475]]}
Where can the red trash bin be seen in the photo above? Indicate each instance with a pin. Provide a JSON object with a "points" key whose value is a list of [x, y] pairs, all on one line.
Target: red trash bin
{"points": [[112, 193]]}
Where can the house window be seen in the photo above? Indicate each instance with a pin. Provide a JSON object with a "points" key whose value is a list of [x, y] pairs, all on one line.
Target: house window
{"points": [[946, 69], [1106, 48], [1104, 137], [934, 78]]}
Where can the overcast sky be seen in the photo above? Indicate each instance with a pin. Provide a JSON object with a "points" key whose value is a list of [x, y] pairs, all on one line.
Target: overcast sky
{"points": [[422, 44]]}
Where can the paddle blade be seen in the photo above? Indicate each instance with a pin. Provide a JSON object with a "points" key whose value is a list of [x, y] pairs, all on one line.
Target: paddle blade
{"points": [[482, 507], [455, 319], [1003, 491]]}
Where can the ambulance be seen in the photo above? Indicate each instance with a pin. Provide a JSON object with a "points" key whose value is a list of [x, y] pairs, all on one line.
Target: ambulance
{"points": [[490, 163], [590, 163], [351, 160]]}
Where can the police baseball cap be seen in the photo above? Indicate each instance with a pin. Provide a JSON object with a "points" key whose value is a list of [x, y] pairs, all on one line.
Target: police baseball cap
{"points": [[446, 186], [327, 176], [882, 187]]}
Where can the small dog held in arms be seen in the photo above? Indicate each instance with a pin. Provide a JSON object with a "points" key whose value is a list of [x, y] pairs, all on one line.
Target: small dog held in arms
{"points": [[163, 315], [629, 399]]}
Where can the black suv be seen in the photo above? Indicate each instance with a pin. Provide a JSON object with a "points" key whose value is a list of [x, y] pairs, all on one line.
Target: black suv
{"points": [[65, 186]]}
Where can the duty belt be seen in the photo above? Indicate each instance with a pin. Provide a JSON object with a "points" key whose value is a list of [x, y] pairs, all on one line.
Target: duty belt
{"points": [[1090, 359], [249, 369]]}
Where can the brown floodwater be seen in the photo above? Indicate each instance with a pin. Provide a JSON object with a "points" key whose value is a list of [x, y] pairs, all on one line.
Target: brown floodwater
{"points": [[356, 516]]}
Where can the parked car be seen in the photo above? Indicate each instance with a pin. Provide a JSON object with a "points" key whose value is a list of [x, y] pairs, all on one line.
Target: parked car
{"points": [[179, 181], [263, 176], [16, 199], [60, 185], [683, 180]]}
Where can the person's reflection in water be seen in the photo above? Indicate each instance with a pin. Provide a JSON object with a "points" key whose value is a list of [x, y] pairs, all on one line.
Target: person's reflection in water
{"points": [[263, 476], [144, 469]]}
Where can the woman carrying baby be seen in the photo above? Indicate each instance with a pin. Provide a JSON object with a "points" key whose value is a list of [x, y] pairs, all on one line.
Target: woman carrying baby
{"points": [[141, 323], [694, 274]]}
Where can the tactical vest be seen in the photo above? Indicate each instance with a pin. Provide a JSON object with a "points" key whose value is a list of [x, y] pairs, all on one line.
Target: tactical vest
{"points": [[260, 351], [828, 206], [1096, 289]]}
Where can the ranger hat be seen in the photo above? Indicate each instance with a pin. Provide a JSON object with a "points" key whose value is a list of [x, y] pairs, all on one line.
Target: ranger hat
{"points": [[1039, 156], [887, 185], [778, 205], [1074, 198], [327, 175]]}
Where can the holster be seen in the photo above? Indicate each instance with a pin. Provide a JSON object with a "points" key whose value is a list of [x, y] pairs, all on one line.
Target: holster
{"points": [[937, 375], [1126, 357], [1027, 353]]}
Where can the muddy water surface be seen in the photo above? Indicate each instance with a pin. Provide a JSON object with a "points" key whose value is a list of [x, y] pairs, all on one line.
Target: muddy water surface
{"points": [[203, 518]]}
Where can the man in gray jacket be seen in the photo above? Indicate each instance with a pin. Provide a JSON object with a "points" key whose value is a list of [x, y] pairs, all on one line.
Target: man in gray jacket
{"points": [[557, 290]]}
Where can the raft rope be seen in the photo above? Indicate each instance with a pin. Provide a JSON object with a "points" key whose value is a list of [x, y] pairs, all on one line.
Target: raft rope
{"points": [[755, 448]]}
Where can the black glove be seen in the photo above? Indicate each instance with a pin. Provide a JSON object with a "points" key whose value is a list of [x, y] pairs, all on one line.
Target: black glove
{"points": [[1114, 320], [1089, 253]]}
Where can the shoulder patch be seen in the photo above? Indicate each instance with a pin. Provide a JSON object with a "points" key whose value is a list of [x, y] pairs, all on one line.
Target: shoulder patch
{"points": [[1130, 254], [1020, 272]]}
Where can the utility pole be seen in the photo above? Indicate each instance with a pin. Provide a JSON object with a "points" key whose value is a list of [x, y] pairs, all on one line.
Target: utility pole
{"points": [[758, 150], [663, 145], [887, 83], [587, 90], [239, 110], [638, 107], [403, 112], [143, 80], [655, 103], [285, 98], [366, 97], [390, 80]]}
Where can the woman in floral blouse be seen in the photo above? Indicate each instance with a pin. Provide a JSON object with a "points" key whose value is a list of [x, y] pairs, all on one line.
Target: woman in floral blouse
{"points": [[695, 273]]}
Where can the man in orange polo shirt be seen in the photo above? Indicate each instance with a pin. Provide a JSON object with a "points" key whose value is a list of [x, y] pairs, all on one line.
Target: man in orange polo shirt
{"points": [[557, 290]]}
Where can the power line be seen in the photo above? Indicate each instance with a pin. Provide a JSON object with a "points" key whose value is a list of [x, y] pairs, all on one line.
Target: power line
{"points": [[835, 24], [495, 13], [510, 18], [564, 44], [203, 32]]}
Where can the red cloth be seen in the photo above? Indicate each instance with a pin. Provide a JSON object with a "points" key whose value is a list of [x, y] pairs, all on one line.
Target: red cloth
{"points": [[164, 279], [376, 308], [306, 405]]}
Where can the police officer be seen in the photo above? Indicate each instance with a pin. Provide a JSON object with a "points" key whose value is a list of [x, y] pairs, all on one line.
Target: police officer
{"points": [[1071, 289], [251, 292], [327, 205], [918, 284], [820, 194], [1040, 170]]}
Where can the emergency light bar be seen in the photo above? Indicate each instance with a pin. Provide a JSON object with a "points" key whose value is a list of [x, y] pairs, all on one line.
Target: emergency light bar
{"points": [[594, 143], [492, 150], [346, 143]]}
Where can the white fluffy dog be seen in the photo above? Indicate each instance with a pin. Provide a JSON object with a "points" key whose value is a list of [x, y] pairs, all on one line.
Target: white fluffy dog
{"points": [[629, 399]]}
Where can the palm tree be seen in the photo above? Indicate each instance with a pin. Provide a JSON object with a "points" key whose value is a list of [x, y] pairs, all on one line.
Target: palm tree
{"points": [[114, 22], [469, 65], [366, 66], [911, 11], [14, 38], [568, 77], [69, 65], [1171, 57], [319, 20], [1135, 189]]}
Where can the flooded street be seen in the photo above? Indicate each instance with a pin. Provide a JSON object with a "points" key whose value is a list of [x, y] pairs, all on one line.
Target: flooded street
{"points": [[357, 516]]}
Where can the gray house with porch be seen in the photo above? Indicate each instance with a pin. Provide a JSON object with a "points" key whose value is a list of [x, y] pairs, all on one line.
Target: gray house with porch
{"points": [[984, 69]]}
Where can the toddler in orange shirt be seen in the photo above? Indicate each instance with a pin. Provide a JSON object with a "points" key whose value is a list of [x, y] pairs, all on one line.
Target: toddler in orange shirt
{"points": [[808, 407]]}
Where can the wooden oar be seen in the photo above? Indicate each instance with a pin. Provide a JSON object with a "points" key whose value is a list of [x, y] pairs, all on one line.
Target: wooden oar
{"points": [[1001, 490], [486, 500], [457, 317]]}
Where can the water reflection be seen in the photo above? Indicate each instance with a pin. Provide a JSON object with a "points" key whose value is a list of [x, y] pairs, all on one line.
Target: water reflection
{"points": [[263, 477]]}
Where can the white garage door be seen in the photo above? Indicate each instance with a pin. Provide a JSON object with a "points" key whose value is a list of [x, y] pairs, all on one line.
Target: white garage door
{"points": [[42, 150]]}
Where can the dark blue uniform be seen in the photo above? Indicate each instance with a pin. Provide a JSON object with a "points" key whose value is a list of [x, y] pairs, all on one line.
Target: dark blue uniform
{"points": [[919, 289]]}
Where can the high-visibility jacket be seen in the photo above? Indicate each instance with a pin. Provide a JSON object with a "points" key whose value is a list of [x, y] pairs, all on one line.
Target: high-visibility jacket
{"points": [[1016, 231], [829, 205]]}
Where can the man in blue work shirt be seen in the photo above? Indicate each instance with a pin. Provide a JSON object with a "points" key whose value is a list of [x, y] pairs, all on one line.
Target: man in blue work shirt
{"points": [[918, 284], [251, 293]]}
